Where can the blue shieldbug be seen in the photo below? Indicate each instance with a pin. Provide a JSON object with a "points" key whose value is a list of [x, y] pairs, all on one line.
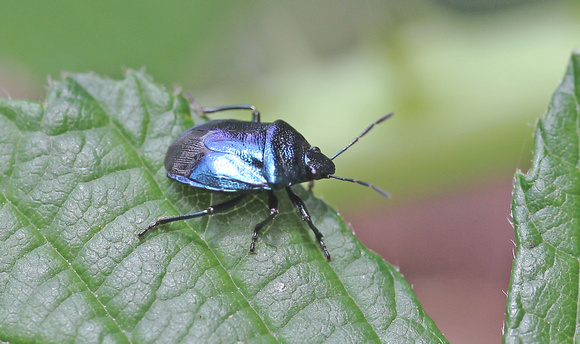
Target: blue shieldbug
{"points": [[242, 157]]}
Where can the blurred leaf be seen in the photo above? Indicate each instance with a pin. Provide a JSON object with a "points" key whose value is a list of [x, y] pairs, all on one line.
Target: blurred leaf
{"points": [[83, 173], [543, 297]]}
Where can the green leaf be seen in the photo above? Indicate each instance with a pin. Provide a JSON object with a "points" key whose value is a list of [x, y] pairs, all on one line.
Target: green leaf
{"points": [[543, 298], [83, 173]]}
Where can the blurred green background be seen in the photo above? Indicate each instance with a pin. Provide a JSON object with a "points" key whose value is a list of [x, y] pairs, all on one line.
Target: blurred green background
{"points": [[466, 80]]}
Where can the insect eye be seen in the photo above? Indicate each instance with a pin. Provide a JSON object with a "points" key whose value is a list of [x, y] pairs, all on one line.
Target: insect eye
{"points": [[313, 170]]}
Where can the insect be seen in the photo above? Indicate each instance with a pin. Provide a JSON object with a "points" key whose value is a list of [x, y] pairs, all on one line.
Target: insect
{"points": [[243, 157]]}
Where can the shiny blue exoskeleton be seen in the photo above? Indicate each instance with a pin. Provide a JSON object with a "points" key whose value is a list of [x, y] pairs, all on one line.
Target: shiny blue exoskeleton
{"points": [[232, 156], [241, 157]]}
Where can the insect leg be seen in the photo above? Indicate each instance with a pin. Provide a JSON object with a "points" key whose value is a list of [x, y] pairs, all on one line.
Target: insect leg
{"points": [[273, 204], [214, 209], [204, 110], [301, 208]]}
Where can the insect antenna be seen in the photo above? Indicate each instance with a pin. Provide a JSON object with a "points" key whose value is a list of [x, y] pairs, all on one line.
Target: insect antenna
{"points": [[361, 135], [377, 189], [364, 132]]}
